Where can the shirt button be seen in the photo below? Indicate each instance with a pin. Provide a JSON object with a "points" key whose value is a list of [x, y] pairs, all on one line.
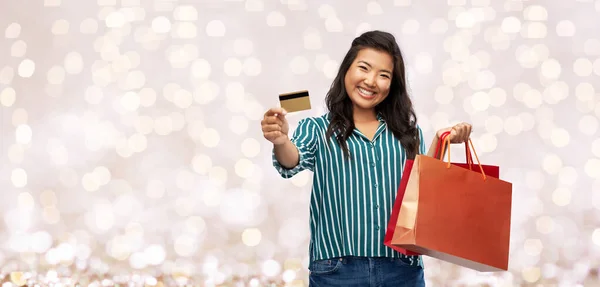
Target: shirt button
{"points": [[373, 164], [378, 227], [375, 185], [377, 206]]}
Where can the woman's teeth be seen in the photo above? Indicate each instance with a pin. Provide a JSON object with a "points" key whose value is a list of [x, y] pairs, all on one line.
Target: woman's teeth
{"points": [[365, 92]]}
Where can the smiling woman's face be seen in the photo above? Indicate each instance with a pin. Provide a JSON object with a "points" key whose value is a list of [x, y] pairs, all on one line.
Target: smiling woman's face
{"points": [[369, 78]]}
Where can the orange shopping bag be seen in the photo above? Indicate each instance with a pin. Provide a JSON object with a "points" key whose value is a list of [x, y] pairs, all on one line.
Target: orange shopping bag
{"points": [[490, 170], [455, 214]]}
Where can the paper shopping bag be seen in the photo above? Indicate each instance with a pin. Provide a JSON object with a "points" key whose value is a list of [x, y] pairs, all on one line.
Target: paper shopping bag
{"points": [[455, 214], [489, 170]]}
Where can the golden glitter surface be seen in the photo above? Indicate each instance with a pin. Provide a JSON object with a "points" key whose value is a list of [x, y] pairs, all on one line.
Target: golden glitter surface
{"points": [[131, 153]]}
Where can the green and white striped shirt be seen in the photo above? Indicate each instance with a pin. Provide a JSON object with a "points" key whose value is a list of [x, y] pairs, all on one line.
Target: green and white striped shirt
{"points": [[351, 200]]}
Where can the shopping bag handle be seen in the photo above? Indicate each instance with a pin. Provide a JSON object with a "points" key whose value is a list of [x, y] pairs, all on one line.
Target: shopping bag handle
{"points": [[467, 150], [446, 143]]}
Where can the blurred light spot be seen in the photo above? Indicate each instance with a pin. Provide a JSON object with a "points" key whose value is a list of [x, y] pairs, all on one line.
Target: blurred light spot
{"points": [[183, 99], [51, 215], [588, 125], [591, 47], [531, 274], [410, 27], [567, 176], [534, 30], [238, 124], [201, 69], [535, 13], [333, 25], [276, 19], [533, 247], [243, 47], [56, 75], [155, 254], [592, 168], [583, 67], [18, 49], [271, 268], [19, 177], [25, 201], [130, 101], [465, 20], [48, 198], [161, 25], [26, 68], [163, 125], [299, 65], [480, 101], [206, 92], [560, 137], [552, 164], [362, 28], [73, 63], [255, 5], [155, 189], [250, 147], [252, 67], [561, 196], [565, 28], [596, 236], [556, 92], [210, 137], [8, 97], [423, 63], [233, 67], [185, 245], [596, 147], [330, 68], [374, 8], [438, 26], [551, 69], [545, 224], [60, 27], [13, 31], [88, 26], [533, 99], [185, 13], [511, 25], [201, 163], [115, 19], [90, 182], [244, 168], [23, 134], [513, 125], [215, 28], [251, 237]]}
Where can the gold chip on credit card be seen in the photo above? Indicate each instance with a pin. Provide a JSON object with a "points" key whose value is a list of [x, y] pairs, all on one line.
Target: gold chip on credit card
{"points": [[295, 101]]}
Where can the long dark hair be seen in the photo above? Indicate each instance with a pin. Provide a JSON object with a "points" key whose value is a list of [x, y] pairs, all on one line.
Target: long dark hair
{"points": [[396, 109]]}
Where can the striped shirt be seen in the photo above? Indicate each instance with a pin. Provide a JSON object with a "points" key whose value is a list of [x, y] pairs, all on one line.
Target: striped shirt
{"points": [[351, 200]]}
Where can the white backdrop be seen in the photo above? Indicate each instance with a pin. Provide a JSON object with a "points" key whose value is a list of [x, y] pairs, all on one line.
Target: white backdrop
{"points": [[131, 141]]}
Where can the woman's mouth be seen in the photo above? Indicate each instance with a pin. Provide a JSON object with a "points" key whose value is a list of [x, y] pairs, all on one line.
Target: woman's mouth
{"points": [[366, 93]]}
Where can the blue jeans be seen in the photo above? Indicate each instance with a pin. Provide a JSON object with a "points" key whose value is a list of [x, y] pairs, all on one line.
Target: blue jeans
{"points": [[365, 272]]}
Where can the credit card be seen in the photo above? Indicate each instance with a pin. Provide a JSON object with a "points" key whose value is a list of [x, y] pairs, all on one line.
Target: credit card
{"points": [[295, 101]]}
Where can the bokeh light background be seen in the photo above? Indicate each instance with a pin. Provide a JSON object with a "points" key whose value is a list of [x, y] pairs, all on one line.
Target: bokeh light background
{"points": [[131, 147]]}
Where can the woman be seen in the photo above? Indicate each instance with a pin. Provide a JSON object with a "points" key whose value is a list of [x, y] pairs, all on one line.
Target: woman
{"points": [[357, 152]]}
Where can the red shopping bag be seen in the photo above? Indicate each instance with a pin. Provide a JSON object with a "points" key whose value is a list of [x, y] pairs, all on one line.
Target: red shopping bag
{"points": [[490, 170], [455, 214]]}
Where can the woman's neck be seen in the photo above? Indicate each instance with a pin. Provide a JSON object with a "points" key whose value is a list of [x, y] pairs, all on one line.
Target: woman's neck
{"points": [[364, 115]]}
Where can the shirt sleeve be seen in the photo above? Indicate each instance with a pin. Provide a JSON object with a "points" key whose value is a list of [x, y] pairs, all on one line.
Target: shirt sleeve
{"points": [[421, 141], [305, 139]]}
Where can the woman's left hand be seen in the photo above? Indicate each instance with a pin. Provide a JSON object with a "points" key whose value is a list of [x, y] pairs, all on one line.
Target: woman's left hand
{"points": [[459, 133]]}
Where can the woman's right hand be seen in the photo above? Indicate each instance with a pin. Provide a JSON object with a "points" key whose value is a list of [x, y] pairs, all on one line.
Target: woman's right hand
{"points": [[274, 126]]}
